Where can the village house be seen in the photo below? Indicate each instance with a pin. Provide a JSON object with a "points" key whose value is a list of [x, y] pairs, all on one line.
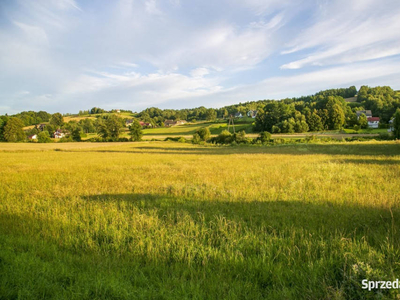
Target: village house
{"points": [[367, 113], [238, 115], [145, 124], [128, 122], [252, 113], [373, 122], [32, 137], [169, 123], [58, 134]]}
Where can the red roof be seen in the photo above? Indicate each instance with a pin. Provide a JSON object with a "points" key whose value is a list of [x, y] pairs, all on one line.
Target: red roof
{"points": [[371, 119]]}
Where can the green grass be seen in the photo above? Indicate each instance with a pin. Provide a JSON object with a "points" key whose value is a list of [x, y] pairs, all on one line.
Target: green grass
{"points": [[190, 129], [163, 220], [367, 130]]}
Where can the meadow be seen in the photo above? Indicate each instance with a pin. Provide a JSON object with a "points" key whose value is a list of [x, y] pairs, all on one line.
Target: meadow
{"points": [[165, 220]]}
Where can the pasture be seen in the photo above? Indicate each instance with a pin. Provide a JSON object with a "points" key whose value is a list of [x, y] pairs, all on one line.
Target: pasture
{"points": [[164, 220]]}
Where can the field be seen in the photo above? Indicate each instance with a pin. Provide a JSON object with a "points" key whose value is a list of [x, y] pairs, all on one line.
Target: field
{"points": [[164, 220]]}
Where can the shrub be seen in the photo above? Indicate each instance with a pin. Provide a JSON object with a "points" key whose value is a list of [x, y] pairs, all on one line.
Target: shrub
{"points": [[196, 138], [44, 137], [264, 137], [204, 133]]}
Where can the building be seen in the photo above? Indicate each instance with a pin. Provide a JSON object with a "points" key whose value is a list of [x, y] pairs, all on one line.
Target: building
{"points": [[32, 137], [128, 122], [252, 114], [238, 115], [118, 111], [169, 123], [373, 122], [58, 134], [145, 124], [367, 113]]}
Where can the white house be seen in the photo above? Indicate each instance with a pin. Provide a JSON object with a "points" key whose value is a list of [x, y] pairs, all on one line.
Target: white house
{"points": [[238, 115], [32, 137], [373, 122], [58, 134]]}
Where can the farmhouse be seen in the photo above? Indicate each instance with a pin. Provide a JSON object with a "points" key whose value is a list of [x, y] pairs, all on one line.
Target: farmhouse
{"points": [[32, 137], [373, 122], [128, 122], [252, 113], [169, 123], [367, 113], [238, 115], [145, 124], [58, 134]]}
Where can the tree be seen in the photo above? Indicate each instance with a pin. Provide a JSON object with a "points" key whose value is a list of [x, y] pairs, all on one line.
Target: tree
{"points": [[336, 113], [396, 124], [13, 131], [211, 114], [110, 127], [204, 133], [57, 120], [76, 134], [363, 121], [43, 137], [135, 131], [315, 122]]}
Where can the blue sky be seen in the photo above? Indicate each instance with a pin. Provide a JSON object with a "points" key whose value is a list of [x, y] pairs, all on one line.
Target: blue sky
{"points": [[71, 55]]}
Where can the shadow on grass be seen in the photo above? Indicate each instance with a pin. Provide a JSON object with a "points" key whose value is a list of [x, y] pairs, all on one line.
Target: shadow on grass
{"points": [[284, 149], [350, 220]]}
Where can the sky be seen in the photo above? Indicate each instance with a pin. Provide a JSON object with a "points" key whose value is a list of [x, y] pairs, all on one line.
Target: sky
{"points": [[70, 55]]}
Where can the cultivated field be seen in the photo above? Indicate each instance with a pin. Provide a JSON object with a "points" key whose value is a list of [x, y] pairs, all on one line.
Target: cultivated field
{"points": [[164, 220]]}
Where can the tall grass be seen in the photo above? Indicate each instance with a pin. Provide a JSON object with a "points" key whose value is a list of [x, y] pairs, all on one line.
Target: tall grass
{"points": [[170, 221]]}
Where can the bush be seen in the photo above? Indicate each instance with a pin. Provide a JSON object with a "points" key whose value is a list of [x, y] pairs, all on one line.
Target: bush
{"points": [[204, 133], [264, 137], [196, 138], [44, 137], [225, 137]]}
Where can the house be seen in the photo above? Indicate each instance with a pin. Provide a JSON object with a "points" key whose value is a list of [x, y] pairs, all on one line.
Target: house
{"points": [[118, 111], [32, 137], [169, 123], [252, 113], [128, 122], [367, 113], [373, 122], [58, 134], [238, 115], [145, 124]]}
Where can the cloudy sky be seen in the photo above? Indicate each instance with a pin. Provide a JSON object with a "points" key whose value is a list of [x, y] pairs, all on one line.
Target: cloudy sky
{"points": [[71, 55]]}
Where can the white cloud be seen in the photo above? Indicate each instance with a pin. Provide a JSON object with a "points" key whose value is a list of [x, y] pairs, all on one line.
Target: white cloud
{"points": [[199, 72], [365, 30]]}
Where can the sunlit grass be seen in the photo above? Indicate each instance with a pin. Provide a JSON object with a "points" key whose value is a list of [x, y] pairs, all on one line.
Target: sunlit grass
{"points": [[170, 220]]}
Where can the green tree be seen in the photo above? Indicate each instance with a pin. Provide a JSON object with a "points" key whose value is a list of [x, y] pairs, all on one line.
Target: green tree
{"points": [[211, 114], [204, 133], [110, 127], [135, 131], [336, 113], [315, 122], [43, 137], [363, 121], [76, 133], [396, 124], [13, 131], [57, 120]]}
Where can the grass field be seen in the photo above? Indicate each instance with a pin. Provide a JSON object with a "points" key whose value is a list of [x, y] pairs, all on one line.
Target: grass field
{"points": [[164, 220]]}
